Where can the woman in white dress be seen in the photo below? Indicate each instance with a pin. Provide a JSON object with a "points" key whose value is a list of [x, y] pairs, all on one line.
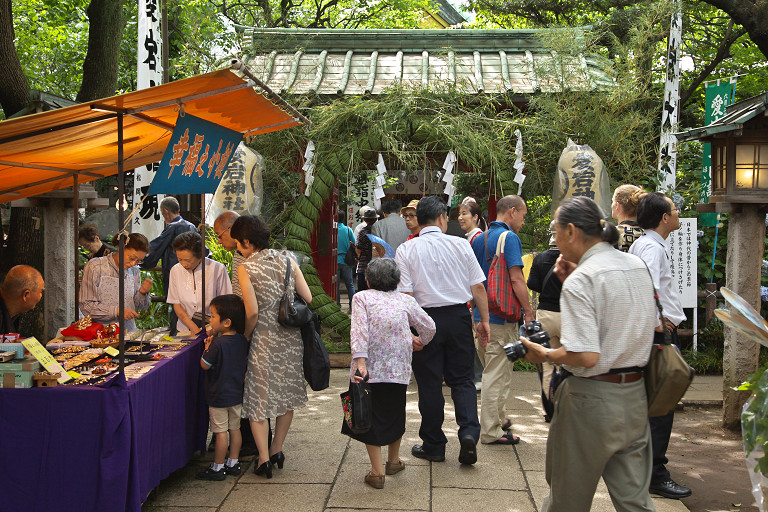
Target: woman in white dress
{"points": [[185, 281]]}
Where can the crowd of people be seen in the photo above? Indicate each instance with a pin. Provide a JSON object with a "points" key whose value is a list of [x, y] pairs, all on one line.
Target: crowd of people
{"points": [[592, 275], [425, 313]]}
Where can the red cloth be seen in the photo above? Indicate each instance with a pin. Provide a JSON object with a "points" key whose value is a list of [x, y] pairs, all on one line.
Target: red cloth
{"points": [[86, 334]]}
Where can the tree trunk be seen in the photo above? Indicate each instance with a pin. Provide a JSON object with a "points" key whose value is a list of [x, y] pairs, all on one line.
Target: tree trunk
{"points": [[100, 68], [25, 246], [14, 88], [752, 14]]}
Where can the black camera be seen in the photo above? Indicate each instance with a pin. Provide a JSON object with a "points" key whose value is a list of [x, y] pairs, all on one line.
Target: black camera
{"points": [[533, 332]]}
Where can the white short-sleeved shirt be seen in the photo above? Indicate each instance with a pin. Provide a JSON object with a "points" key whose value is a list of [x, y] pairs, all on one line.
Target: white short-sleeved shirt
{"points": [[607, 307], [653, 250], [438, 269], [184, 290]]}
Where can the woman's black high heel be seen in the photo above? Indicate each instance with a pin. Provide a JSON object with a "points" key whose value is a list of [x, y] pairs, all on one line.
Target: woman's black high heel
{"points": [[278, 460], [264, 470]]}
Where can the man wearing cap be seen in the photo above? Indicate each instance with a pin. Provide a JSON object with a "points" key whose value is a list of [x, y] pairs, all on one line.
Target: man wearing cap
{"points": [[365, 247], [442, 274], [411, 222], [391, 228], [360, 214]]}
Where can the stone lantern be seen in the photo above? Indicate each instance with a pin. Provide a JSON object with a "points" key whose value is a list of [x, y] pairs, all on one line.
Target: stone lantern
{"points": [[739, 187]]}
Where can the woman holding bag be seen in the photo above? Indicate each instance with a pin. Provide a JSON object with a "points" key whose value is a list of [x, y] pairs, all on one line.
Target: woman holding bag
{"points": [[381, 344], [274, 380]]}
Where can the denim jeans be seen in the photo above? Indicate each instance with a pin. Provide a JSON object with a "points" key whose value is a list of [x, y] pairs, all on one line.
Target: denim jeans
{"points": [[345, 274]]}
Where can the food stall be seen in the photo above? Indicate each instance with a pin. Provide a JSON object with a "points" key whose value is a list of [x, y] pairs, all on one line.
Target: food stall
{"points": [[105, 424]]}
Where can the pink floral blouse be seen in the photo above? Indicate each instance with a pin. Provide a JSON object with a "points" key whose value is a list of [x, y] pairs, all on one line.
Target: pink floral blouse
{"points": [[381, 333]]}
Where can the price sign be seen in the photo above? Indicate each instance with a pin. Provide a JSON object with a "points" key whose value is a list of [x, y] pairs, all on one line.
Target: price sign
{"points": [[46, 359]]}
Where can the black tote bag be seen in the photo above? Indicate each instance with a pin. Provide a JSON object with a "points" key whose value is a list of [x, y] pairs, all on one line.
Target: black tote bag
{"points": [[317, 364]]}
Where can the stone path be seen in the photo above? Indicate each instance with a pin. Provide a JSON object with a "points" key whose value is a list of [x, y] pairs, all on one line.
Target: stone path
{"points": [[324, 470]]}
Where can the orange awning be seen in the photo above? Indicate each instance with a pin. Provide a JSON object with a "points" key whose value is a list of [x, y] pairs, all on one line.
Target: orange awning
{"points": [[42, 152]]}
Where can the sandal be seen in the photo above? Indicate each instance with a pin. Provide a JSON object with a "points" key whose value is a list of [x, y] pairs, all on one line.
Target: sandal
{"points": [[508, 439], [506, 426], [394, 467], [375, 481]]}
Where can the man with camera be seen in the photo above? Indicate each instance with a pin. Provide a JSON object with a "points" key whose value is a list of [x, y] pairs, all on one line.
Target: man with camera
{"points": [[495, 427], [600, 424]]}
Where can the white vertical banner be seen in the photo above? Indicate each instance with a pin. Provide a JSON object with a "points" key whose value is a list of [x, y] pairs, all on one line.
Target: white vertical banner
{"points": [[450, 161], [149, 72], [670, 111], [519, 164], [683, 252]]}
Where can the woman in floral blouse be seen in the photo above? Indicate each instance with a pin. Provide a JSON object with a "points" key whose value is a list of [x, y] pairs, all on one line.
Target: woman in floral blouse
{"points": [[382, 343]]}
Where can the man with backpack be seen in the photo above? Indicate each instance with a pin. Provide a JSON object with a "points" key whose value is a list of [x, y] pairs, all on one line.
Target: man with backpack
{"points": [[495, 427]]}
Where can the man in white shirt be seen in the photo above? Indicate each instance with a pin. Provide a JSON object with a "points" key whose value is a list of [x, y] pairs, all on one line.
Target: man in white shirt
{"points": [[442, 274], [658, 216]]}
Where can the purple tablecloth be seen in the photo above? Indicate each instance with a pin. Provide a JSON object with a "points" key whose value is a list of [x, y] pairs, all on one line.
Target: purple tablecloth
{"points": [[101, 449]]}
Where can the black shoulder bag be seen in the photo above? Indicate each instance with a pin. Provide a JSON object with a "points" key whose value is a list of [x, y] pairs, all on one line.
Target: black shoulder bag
{"points": [[296, 312]]}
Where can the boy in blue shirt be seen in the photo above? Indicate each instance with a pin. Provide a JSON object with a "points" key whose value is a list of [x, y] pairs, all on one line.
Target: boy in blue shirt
{"points": [[225, 359]]}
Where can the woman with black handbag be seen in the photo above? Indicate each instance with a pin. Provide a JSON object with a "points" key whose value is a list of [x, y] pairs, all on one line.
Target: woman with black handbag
{"points": [[381, 345], [274, 381]]}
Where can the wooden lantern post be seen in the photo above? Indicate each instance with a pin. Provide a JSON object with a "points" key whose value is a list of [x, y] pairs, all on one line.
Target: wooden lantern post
{"points": [[740, 188]]}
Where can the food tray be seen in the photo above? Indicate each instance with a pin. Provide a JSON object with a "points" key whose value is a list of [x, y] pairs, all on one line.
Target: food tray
{"points": [[104, 344]]}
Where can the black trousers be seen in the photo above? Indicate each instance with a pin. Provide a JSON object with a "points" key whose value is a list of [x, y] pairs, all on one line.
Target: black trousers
{"points": [[661, 431], [362, 284], [449, 356]]}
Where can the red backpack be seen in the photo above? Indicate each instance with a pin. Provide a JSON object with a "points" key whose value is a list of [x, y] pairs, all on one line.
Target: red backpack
{"points": [[502, 301]]}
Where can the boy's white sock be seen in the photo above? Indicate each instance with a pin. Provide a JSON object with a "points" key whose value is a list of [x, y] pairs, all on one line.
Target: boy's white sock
{"points": [[231, 462], [216, 467]]}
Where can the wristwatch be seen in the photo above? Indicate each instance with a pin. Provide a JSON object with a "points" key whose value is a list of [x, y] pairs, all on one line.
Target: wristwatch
{"points": [[546, 354]]}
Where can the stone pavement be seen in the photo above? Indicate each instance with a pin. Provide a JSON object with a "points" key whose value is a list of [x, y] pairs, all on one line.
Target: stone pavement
{"points": [[324, 470]]}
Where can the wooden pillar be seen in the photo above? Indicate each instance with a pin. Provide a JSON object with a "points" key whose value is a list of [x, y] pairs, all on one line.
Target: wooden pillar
{"points": [[746, 235]]}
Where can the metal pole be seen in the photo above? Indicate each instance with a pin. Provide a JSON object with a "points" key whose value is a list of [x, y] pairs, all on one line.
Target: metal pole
{"points": [[121, 246], [202, 284], [76, 199], [714, 249]]}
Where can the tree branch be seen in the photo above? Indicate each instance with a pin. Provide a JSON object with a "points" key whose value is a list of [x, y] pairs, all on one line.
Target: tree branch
{"points": [[723, 52]]}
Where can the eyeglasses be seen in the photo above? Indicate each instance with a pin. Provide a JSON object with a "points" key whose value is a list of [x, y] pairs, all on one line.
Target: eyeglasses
{"points": [[219, 235], [133, 260], [409, 215]]}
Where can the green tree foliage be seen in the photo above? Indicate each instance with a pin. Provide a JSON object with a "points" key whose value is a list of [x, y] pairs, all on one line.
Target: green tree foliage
{"points": [[715, 45], [325, 13], [51, 41]]}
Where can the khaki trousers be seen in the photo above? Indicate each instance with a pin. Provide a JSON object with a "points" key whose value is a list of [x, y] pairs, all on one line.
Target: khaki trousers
{"points": [[550, 322], [599, 429], [497, 380]]}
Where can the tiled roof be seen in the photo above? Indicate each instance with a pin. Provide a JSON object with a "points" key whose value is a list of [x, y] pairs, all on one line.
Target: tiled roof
{"points": [[735, 116], [339, 62]]}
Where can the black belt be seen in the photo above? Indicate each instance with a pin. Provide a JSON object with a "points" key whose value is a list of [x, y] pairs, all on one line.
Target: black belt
{"points": [[618, 378]]}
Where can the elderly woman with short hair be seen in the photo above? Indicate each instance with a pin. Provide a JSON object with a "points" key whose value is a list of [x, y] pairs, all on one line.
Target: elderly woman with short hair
{"points": [[185, 283], [381, 344]]}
